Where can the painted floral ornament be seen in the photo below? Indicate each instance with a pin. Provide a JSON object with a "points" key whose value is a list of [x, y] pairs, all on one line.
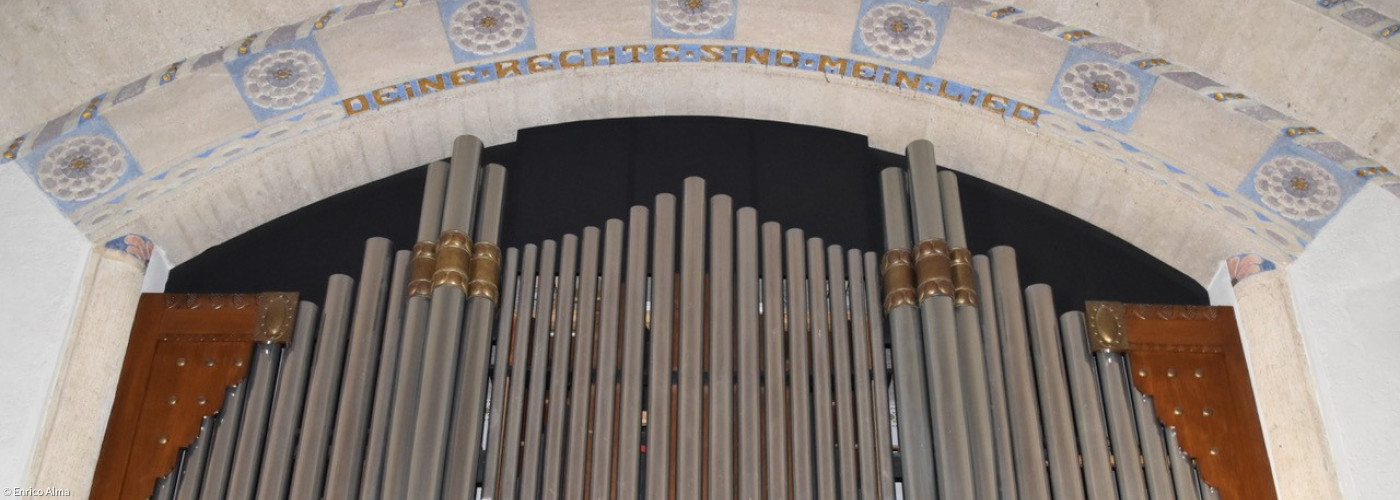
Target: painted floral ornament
{"points": [[284, 79], [693, 17], [81, 167], [489, 26], [898, 31], [1099, 90], [1297, 188], [1245, 265]]}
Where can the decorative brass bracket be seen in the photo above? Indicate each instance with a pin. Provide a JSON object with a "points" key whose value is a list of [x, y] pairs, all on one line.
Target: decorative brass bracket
{"points": [[1106, 326], [934, 268], [277, 317], [1191, 361], [898, 274]]}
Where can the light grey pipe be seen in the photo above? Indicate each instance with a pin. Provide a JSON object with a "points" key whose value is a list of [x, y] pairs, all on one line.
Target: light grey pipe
{"points": [[532, 432], [472, 363], [800, 366], [373, 477], [633, 356], [663, 282], [276, 464], [445, 315], [911, 397], [552, 479], [971, 354], [1154, 454], [823, 424], [880, 386], [841, 387], [605, 393], [749, 346], [262, 380], [505, 328], [408, 379], [952, 456], [165, 485], [721, 334], [514, 404], [197, 455], [580, 403], [1182, 476], [216, 471], [689, 448], [1028, 448], [309, 469], [434, 194], [1122, 433], [1052, 387], [861, 362], [996, 381], [775, 397], [1089, 414], [357, 385]]}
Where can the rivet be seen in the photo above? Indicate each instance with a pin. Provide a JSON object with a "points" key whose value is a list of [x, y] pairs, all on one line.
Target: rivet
{"points": [[172, 400], [1176, 411], [1142, 372], [1215, 451], [209, 362], [163, 439], [201, 400], [1171, 372], [1200, 373], [179, 361], [1208, 411], [237, 362]]}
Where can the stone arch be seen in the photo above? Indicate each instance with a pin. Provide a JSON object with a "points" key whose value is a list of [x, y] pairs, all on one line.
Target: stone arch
{"points": [[1167, 158]]}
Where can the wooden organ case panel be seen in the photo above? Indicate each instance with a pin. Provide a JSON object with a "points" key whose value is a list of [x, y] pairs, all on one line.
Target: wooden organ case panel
{"points": [[1189, 358], [184, 351]]}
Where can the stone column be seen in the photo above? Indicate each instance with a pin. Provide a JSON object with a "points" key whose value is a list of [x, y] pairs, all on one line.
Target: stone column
{"points": [[76, 419], [1284, 388]]}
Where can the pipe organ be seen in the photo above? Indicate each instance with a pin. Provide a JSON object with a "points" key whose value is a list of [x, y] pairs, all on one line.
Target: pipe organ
{"points": [[695, 351]]}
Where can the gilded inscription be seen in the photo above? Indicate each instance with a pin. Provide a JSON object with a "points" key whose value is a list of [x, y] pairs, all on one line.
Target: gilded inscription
{"points": [[691, 53]]}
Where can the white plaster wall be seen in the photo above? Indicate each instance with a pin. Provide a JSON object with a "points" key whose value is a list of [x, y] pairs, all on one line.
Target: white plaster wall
{"points": [[42, 263], [1346, 286], [1219, 288]]}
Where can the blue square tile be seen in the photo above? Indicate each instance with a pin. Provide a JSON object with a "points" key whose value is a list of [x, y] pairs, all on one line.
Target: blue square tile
{"points": [[81, 165], [713, 19], [282, 79], [482, 28], [900, 31], [1093, 86], [1299, 185]]}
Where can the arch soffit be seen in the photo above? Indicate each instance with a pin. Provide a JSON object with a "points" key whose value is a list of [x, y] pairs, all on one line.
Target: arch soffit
{"points": [[1155, 153]]}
